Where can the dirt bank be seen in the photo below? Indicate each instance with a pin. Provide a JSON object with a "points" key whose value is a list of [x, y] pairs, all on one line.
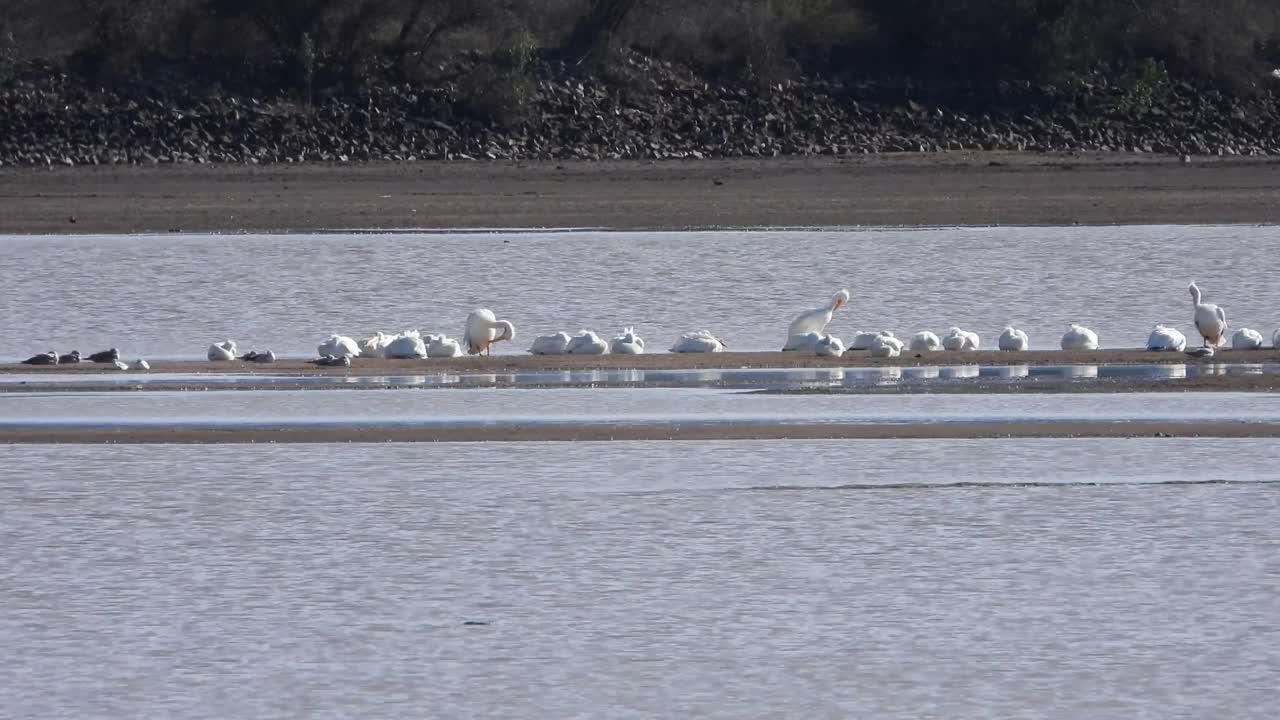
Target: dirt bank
{"points": [[958, 188]]}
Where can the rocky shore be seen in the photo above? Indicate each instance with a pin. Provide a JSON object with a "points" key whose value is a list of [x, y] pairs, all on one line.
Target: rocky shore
{"points": [[648, 109]]}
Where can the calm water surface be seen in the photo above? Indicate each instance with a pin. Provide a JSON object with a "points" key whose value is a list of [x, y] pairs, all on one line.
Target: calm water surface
{"points": [[610, 405], [886, 579], [170, 296]]}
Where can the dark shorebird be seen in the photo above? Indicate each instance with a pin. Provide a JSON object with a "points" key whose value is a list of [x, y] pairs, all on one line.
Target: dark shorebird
{"points": [[106, 356], [49, 358], [70, 358]]}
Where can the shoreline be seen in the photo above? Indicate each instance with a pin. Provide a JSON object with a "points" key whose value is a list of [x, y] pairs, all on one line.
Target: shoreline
{"points": [[663, 361], [587, 432], [946, 189]]}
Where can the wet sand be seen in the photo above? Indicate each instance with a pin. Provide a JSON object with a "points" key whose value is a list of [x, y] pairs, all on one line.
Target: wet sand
{"points": [[662, 431], [960, 188], [663, 361]]}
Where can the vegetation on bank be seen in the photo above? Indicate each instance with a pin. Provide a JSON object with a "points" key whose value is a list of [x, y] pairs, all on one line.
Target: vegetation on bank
{"points": [[307, 47]]}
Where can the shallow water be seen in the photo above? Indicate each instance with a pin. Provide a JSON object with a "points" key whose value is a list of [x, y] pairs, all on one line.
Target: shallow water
{"points": [[353, 408], [171, 296], [637, 580]]}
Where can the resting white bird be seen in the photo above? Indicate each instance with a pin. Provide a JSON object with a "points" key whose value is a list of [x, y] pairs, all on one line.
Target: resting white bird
{"points": [[701, 341], [483, 330], [339, 345], [864, 340], [1246, 339], [373, 346], [407, 345], [1166, 338], [957, 339], [628, 343], [442, 346], [225, 350], [925, 341], [886, 346], [829, 346], [815, 320], [587, 343], [1014, 340], [556, 344], [807, 342], [1211, 320], [1079, 337]]}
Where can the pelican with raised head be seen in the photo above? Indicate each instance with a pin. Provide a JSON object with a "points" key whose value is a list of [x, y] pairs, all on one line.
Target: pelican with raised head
{"points": [[483, 330], [815, 320], [628, 343], [1211, 320]]}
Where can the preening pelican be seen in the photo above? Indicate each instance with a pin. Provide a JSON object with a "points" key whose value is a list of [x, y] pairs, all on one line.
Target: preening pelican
{"points": [[628, 343], [1166, 338], [587, 342], [225, 350], [925, 341], [1211, 320], [1079, 337], [829, 346], [556, 344], [441, 346], [701, 341], [815, 320], [1014, 340], [864, 340], [339, 345], [483, 330], [886, 346], [1246, 339], [957, 339], [374, 346], [405, 346]]}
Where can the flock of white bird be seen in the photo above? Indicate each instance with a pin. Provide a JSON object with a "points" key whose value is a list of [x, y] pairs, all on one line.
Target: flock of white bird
{"points": [[805, 334]]}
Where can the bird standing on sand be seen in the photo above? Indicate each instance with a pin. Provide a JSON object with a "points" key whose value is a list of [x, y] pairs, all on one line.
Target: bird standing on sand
{"points": [[483, 330], [1211, 320]]}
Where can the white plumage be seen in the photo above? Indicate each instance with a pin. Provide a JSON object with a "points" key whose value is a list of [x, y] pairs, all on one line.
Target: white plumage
{"points": [[1211, 320], [1014, 340], [925, 341], [587, 342], [225, 350], [339, 345], [700, 341], [1246, 339], [956, 340], [1079, 337], [556, 344], [627, 343], [1164, 338]]}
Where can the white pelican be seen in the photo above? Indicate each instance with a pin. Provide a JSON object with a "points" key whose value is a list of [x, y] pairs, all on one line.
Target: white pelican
{"points": [[407, 345], [1014, 340], [556, 344], [142, 364], [440, 346], [1166, 338], [225, 350], [808, 342], [628, 343], [829, 346], [886, 346], [339, 345], [1211, 320], [925, 341], [374, 346], [957, 339], [483, 330], [120, 364], [864, 340], [1246, 339], [587, 343], [815, 320], [1079, 337], [701, 341]]}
